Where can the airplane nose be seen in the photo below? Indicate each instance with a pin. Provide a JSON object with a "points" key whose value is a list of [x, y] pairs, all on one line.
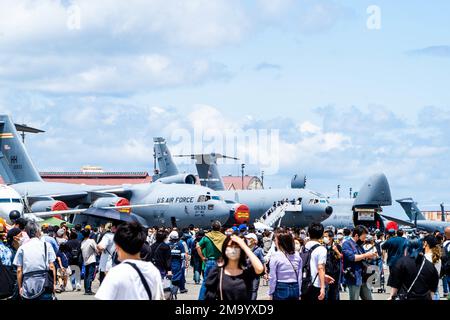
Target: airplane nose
{"points": [[14, 215], [329, 210]]}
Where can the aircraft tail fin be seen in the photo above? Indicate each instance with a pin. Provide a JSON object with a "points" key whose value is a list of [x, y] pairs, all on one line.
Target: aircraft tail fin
{"points": [[411, 209], [167, 167], [15, 163], [375, 192], [208, 170]]}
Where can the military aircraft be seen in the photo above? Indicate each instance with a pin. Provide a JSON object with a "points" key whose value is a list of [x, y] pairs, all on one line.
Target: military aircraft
{"points": [[365, 208], [11, 203], [307, 205], [163, 203], [417, 219]]}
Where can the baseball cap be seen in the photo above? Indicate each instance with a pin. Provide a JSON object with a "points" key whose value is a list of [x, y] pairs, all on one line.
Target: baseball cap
{"points": [[88, 227], [174, 235], [60, 232], [251, 236]]}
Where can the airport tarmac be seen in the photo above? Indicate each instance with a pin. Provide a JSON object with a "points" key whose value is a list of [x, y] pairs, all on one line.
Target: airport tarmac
{"points": [[194, 289]]}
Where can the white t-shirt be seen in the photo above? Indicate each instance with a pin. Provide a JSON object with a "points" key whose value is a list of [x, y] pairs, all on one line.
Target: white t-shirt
{"points": [[106, 258], [123, 282], [88, 250], [318, 256]]}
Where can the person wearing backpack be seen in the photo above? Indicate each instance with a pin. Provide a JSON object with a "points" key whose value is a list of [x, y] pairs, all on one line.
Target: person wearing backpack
{"points": [[285, 278], [132, 279], [413, 277], [333, 266], [36, 274], [354, 255], [314, 257], [209, 250], [75, 260], [445, 270]]}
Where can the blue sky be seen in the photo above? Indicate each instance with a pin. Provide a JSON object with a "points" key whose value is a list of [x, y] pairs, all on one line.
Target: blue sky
{"points": [[348, 101]]}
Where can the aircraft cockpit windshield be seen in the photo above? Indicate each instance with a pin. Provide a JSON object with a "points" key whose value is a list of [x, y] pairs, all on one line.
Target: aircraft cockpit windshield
{"points": [[9, 200], [205, 198]]}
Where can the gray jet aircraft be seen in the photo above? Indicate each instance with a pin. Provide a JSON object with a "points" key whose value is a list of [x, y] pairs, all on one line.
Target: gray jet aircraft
{"points": [[416, 218], [308, 206], [163, 203]]}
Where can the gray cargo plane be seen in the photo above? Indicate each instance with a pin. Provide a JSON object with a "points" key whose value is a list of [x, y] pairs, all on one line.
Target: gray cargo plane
{"points": [[309, 206], [364, 209], [416, 218], [163, 203]]}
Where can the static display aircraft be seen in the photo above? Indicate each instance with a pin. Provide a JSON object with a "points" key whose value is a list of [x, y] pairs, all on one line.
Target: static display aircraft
{"points": [[10, 203], [311, 206], [364, 209], [162, 203], [417, 219]]}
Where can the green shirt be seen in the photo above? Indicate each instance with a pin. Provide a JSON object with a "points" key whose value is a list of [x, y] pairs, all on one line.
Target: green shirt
{"points": [[209, 250]]}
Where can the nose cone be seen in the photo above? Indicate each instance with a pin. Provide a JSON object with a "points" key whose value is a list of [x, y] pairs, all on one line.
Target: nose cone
{"points": [[14, 215], [329, 210]]}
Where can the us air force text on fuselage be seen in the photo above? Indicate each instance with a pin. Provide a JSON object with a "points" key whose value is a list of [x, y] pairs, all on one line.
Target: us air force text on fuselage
{"points": [[225, 310]]}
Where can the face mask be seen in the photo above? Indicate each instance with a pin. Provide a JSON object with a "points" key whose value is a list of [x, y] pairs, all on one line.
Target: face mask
{"points": [[340, 237], [302, 236], [233, 253], [326, 240]]}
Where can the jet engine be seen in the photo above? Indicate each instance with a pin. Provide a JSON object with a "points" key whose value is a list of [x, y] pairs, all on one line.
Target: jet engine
{"points": [[179, 179], [48, 205], [112, 202], [298, 182]]}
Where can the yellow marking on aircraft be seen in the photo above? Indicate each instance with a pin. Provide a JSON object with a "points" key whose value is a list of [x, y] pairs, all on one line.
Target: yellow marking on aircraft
{"points": [[6, 135]]}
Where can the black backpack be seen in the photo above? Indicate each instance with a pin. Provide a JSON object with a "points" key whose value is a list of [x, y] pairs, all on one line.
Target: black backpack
{"points": [[332, 266], [7, 281], [445, 259], [307, 281]]}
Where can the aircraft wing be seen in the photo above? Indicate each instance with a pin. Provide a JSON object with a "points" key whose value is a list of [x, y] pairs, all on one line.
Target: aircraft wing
{"points": [[48, 214], [399, 221]]}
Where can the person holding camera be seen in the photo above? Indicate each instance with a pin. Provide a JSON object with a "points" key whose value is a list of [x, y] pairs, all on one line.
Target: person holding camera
{"points": [[354, 264]]}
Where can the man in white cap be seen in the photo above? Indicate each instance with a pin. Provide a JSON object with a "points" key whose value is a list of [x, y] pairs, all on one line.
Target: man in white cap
{"points": [[252, 242], [179, 258]]}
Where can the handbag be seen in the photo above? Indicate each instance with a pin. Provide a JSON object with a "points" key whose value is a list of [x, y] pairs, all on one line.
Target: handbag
{"points": [[404, 296], [37, 283], [7, 281]]}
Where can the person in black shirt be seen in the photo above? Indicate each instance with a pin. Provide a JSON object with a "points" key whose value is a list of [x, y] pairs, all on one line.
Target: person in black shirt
{"points": [[233, 281], [405, 271], [196, 261], [75, 259], [160, 254], [333, 265]]}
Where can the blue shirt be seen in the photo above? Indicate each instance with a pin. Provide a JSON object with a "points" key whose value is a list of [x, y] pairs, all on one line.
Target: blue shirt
{"points": [[350, 249], [395, 248], [52, 241], [6, 255]]}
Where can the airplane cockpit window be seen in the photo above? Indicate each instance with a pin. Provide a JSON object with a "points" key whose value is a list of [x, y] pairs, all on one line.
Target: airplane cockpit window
{"points": [[208, 197], [316, 201], [202, 198], [218, 198]]}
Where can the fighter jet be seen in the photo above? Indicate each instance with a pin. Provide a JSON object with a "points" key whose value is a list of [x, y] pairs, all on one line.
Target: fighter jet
{"points": [[301, 208], [158, 203], [417, 219]]}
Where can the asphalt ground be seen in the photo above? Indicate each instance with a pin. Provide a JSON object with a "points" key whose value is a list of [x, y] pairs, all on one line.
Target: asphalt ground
{"points": [[193, 291]]}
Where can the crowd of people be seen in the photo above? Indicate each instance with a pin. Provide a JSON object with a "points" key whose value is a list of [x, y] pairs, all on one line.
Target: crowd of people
{"points": [[133, 262]]}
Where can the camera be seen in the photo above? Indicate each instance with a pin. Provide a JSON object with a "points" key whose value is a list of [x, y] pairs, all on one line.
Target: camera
{"points": [[349, 275]]}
